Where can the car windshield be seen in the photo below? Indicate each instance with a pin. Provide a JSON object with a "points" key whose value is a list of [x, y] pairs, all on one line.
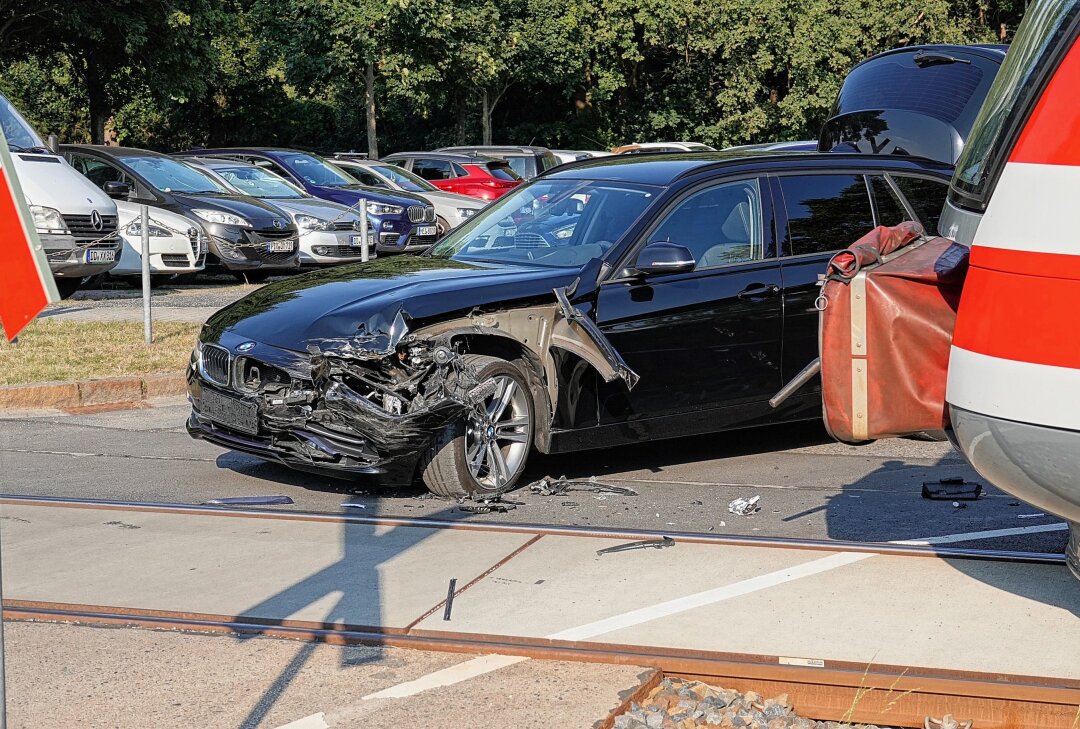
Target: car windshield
{"points": [[549, 223], [20, 135], [257, 182], [316, 171], [170, 175], [404, 179]]}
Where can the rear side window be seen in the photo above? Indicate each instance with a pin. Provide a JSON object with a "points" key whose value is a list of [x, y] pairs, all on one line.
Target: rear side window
{"points": [[432, 169], [890, 211], [525, 167], [501, 171], [825, 212], [926, 197]]}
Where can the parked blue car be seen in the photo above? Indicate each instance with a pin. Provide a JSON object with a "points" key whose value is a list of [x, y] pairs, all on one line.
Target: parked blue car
{"points": [[400, 221]]}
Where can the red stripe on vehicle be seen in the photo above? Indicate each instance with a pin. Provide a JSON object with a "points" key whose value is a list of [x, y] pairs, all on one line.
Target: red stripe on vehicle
{"points": [[1026, 263], [1019, 317], [22, 295], [1052, 133]]}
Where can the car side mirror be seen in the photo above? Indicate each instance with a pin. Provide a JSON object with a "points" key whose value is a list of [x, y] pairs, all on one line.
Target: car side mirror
{"points": [[117, 190], [664, 257]]}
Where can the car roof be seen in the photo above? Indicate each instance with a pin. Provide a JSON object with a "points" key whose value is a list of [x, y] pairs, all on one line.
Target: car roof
{"points": [[664, 169], [498, 149], [112, 151], [460, 158], [268, 151]]}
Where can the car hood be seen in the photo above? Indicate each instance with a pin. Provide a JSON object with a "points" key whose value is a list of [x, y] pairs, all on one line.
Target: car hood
{"points": [[260, 214], [336, 303], [314, 206], [48, 180]]}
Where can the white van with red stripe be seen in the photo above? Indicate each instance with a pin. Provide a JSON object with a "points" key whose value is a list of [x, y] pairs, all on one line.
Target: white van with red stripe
{"points": [[1014, 368]]}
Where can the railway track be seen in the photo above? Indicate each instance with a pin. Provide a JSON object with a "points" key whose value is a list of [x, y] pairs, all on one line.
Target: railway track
{"points": [[896, 695]]}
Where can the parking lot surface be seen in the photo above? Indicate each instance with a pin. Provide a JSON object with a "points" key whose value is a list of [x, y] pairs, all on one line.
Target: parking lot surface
{"points": [[809, 486]]}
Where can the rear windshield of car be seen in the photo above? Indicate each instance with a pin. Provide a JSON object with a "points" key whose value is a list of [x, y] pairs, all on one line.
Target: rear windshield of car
{"points": [[525, 167], [949, 91], [502, 171]]}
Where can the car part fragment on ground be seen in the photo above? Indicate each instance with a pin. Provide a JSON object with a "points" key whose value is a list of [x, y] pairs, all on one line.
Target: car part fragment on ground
{"points": [[643, 544], [250, 501], [548, 486], [449, 598], [949, 489], [743, 506]]}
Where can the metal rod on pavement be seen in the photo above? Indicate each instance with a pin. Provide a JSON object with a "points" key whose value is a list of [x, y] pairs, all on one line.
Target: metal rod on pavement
{"points": [[364, 255], [148, 328]]}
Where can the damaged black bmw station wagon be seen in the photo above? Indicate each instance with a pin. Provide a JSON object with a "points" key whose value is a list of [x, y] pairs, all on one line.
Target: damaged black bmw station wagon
{"points": [[608, 301]]}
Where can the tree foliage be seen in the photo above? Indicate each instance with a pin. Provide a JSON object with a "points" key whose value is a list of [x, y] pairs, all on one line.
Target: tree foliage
{"points": [[566, 73]]}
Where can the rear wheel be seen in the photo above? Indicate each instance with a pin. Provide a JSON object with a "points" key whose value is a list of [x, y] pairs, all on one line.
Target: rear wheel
{"points": [[485, 452]]}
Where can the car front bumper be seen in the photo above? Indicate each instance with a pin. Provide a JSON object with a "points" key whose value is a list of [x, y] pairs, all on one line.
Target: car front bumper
{"points": [[68, 260], [328, 248]]}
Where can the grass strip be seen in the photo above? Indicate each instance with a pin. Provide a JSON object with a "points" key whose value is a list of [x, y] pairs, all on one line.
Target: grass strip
{"points": [[51, 350]]}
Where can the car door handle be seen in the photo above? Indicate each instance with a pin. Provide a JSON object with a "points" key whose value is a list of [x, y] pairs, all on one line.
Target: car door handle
{"points": [[757, 291]]}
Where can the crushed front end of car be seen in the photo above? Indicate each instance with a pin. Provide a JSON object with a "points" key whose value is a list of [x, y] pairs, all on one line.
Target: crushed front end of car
{"points": [[364, 404]]}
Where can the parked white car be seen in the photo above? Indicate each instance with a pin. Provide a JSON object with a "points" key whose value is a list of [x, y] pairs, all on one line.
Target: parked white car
{"points": [[329, 233], [575, 155], [178, 244], [452, 209]]}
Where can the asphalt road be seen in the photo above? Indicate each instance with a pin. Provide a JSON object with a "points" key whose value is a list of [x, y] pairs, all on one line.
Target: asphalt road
{"points": [[809, 486]]}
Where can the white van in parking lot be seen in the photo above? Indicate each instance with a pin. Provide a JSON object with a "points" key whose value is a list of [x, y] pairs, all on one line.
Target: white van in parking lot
{"points": [[75, 220]]}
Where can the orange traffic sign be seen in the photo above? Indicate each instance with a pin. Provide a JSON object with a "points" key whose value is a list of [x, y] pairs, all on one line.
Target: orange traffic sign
{"points": [[26, 284]]}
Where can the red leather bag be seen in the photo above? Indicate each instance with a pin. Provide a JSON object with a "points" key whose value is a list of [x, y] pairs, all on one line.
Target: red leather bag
{"points": [[888, 307]]}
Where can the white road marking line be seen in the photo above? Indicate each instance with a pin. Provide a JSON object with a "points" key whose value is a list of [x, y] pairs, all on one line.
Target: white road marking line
{"points": [[315, 721], [486, 664], [448, 676], [990, 534]]}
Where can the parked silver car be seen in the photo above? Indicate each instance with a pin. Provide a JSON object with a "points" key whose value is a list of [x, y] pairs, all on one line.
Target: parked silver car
{"points": [[329, 233], [452, 209]]}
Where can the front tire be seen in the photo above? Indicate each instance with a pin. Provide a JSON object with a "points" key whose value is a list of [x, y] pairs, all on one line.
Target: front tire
{"points": [[484, 453]]}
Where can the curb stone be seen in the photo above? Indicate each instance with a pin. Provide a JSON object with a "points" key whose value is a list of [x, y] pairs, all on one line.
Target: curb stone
{"points": [[104, 391]]}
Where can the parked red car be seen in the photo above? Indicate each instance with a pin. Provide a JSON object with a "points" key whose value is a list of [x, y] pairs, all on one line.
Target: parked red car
{"points": [[474, 175]]}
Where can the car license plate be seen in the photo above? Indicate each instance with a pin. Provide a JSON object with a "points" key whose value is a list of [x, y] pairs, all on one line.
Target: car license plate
{"points": [[94, 255], [426, 230], [230, 412], [279, 246], [356, 240]]}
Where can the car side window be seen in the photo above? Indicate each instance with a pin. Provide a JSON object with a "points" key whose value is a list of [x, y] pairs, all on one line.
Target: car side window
{"points": [[432, 169], [367, 178], [272, 166], [927, 198], [890, 210], [720, 225], [459, 171], [825, 212], [99, 172]]}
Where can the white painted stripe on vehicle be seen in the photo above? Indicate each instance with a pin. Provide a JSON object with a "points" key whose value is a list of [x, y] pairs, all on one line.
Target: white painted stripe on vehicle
{"points": [[486, 664], [1034, 208], [448, 676], [1014, 390], [315, 721]]}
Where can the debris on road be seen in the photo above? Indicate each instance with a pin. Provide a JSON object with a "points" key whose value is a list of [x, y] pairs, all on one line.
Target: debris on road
{"points": [[945, 722], [250, 501], [1036, 515], [692, 704], [449, 598], [548, 486], [951, 489], [351, 505], [643, 544], [743, 506], [493, 507]]}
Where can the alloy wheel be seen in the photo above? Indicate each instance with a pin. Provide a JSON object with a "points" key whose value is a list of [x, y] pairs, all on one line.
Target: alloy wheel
{"points": [[497, 437]]}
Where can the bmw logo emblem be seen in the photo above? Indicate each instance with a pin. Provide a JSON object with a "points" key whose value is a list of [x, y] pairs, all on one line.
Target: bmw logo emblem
{"points": [[278, 224], [245, 347]]}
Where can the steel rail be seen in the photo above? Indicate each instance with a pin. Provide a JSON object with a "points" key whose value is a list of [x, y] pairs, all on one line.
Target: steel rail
{"points": [[822, 545], [882, 694]]}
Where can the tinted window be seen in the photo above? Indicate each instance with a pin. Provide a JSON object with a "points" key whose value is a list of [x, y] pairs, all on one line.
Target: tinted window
{"points": [[502, 171], [98, 172], [926, 198], [825, 212], [459, 171], [432, 169], [720, 225], [268, 165], [525, 167], [890, 211]]}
